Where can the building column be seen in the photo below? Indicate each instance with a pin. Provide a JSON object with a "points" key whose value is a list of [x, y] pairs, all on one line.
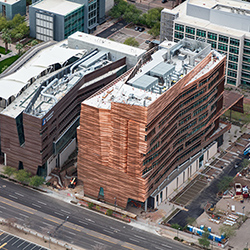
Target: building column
{"points": [[146, 205], [5, 159]]}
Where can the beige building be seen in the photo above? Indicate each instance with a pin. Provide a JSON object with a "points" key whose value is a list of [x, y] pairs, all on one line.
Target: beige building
{"points": [[223, 24]]}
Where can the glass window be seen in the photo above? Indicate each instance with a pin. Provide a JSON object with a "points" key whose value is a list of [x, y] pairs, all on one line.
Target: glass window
{"points": [[234, 58], [247, 42], [201, 33], [190, 30], [234, 50], [246, 66], [222, 47], [179, 27], [232, 65], [178, 34], [213, 43], [231, 81], [232, 73], [245, 74], [20, 130], [234, 42], [246, 59], [245, 82], [223, 39], [212, 36], [246, 51]]}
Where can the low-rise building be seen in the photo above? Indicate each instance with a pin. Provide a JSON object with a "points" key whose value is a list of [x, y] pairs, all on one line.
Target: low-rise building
{"points": [[58, 19]]}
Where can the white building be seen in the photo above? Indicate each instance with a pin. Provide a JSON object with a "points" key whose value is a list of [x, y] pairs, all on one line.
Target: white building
{"points": [[223, 24]]}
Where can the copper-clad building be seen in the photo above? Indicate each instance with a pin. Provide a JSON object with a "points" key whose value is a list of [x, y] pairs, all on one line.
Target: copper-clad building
{"points": [[149, 131]]}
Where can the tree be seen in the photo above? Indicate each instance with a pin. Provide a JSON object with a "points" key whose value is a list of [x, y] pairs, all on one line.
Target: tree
{"points": [[227, 230], [3, 23], [36, 181], [6, 38], [204, 241], [4, 68], [9, 170], [18, 36], [224, 184], [22, 176], [132, 42], [19, 46], [155, 30]]}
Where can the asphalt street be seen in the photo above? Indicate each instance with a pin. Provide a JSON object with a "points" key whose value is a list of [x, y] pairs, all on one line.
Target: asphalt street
{"points": [[208, 195], [11, 242], [83, 227], [112, 29]]}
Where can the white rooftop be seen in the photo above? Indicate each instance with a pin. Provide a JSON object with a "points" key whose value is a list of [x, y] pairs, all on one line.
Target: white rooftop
{"points": [[61, 7], [9, 1], [59, 53], [231, 10], [106, 43], [126, 93]]}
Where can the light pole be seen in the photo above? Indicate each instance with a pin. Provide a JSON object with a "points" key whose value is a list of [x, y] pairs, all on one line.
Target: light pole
{"points": [[115, 204], [243, 213], [178, 232]]}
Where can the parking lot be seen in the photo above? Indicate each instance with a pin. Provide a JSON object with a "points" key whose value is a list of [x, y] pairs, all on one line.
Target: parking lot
{"points": [[130, 31], [11, 242]]}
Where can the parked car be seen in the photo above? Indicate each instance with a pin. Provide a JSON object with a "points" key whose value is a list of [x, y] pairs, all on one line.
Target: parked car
{"points": [[141, 29], [147, 41], [164, 1], [137, 28]]}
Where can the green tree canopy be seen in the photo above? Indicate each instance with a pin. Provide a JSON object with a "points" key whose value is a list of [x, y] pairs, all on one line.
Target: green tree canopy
{"points": [[34, 42], [19, 46], [9, 170], [152, 17], [132, 42], [36, 181], [22, 176], [6, 38]]}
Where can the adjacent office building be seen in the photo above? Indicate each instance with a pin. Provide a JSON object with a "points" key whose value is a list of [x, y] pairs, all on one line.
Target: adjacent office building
{"points": [[223, 24], [58, 19], [146, 133], [9, 8], [38, 127]]}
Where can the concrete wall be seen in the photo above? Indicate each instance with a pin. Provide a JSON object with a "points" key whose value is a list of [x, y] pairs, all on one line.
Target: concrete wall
{"points": [[108, 5], [64, 155], [198, 11], [51, 164]]}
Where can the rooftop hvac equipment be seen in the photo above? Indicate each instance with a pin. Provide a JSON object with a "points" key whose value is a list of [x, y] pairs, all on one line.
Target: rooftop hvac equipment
{"points": [[145, 82], [95, 58], [162, 70]]}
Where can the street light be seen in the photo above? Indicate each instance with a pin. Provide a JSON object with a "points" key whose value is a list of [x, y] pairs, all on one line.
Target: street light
{"points": [[178, 232], [243, 213], [115, 204]]}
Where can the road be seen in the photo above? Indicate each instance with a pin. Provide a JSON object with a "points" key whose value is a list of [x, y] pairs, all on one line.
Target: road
{"points": [[83, 228], [112, 29]]}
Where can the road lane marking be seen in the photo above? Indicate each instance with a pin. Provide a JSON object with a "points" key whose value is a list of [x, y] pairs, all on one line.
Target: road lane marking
{"points": [[97, 242], [21, 244], [16, 207], [13, 196], [26, 246], [5, 237], [19, 194], [159, 248], [101, 238], [3, 245], [36, 205], [42, 203], [65, 211], [134, 240], [19, 218], [51, 220], [85, 223], [166, 246], [115, 229], [24, 215], [47, 224], [1, 233], [139, 237], [129, 247], [71, 233], [59, 214], [3, 207], [72, 228], [90, 220], [15, 242]]}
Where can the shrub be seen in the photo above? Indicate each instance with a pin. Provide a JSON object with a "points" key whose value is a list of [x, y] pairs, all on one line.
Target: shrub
{"points": [[9, 170], [97, 208], [176, 226], [90, 205], [109, 212]]}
